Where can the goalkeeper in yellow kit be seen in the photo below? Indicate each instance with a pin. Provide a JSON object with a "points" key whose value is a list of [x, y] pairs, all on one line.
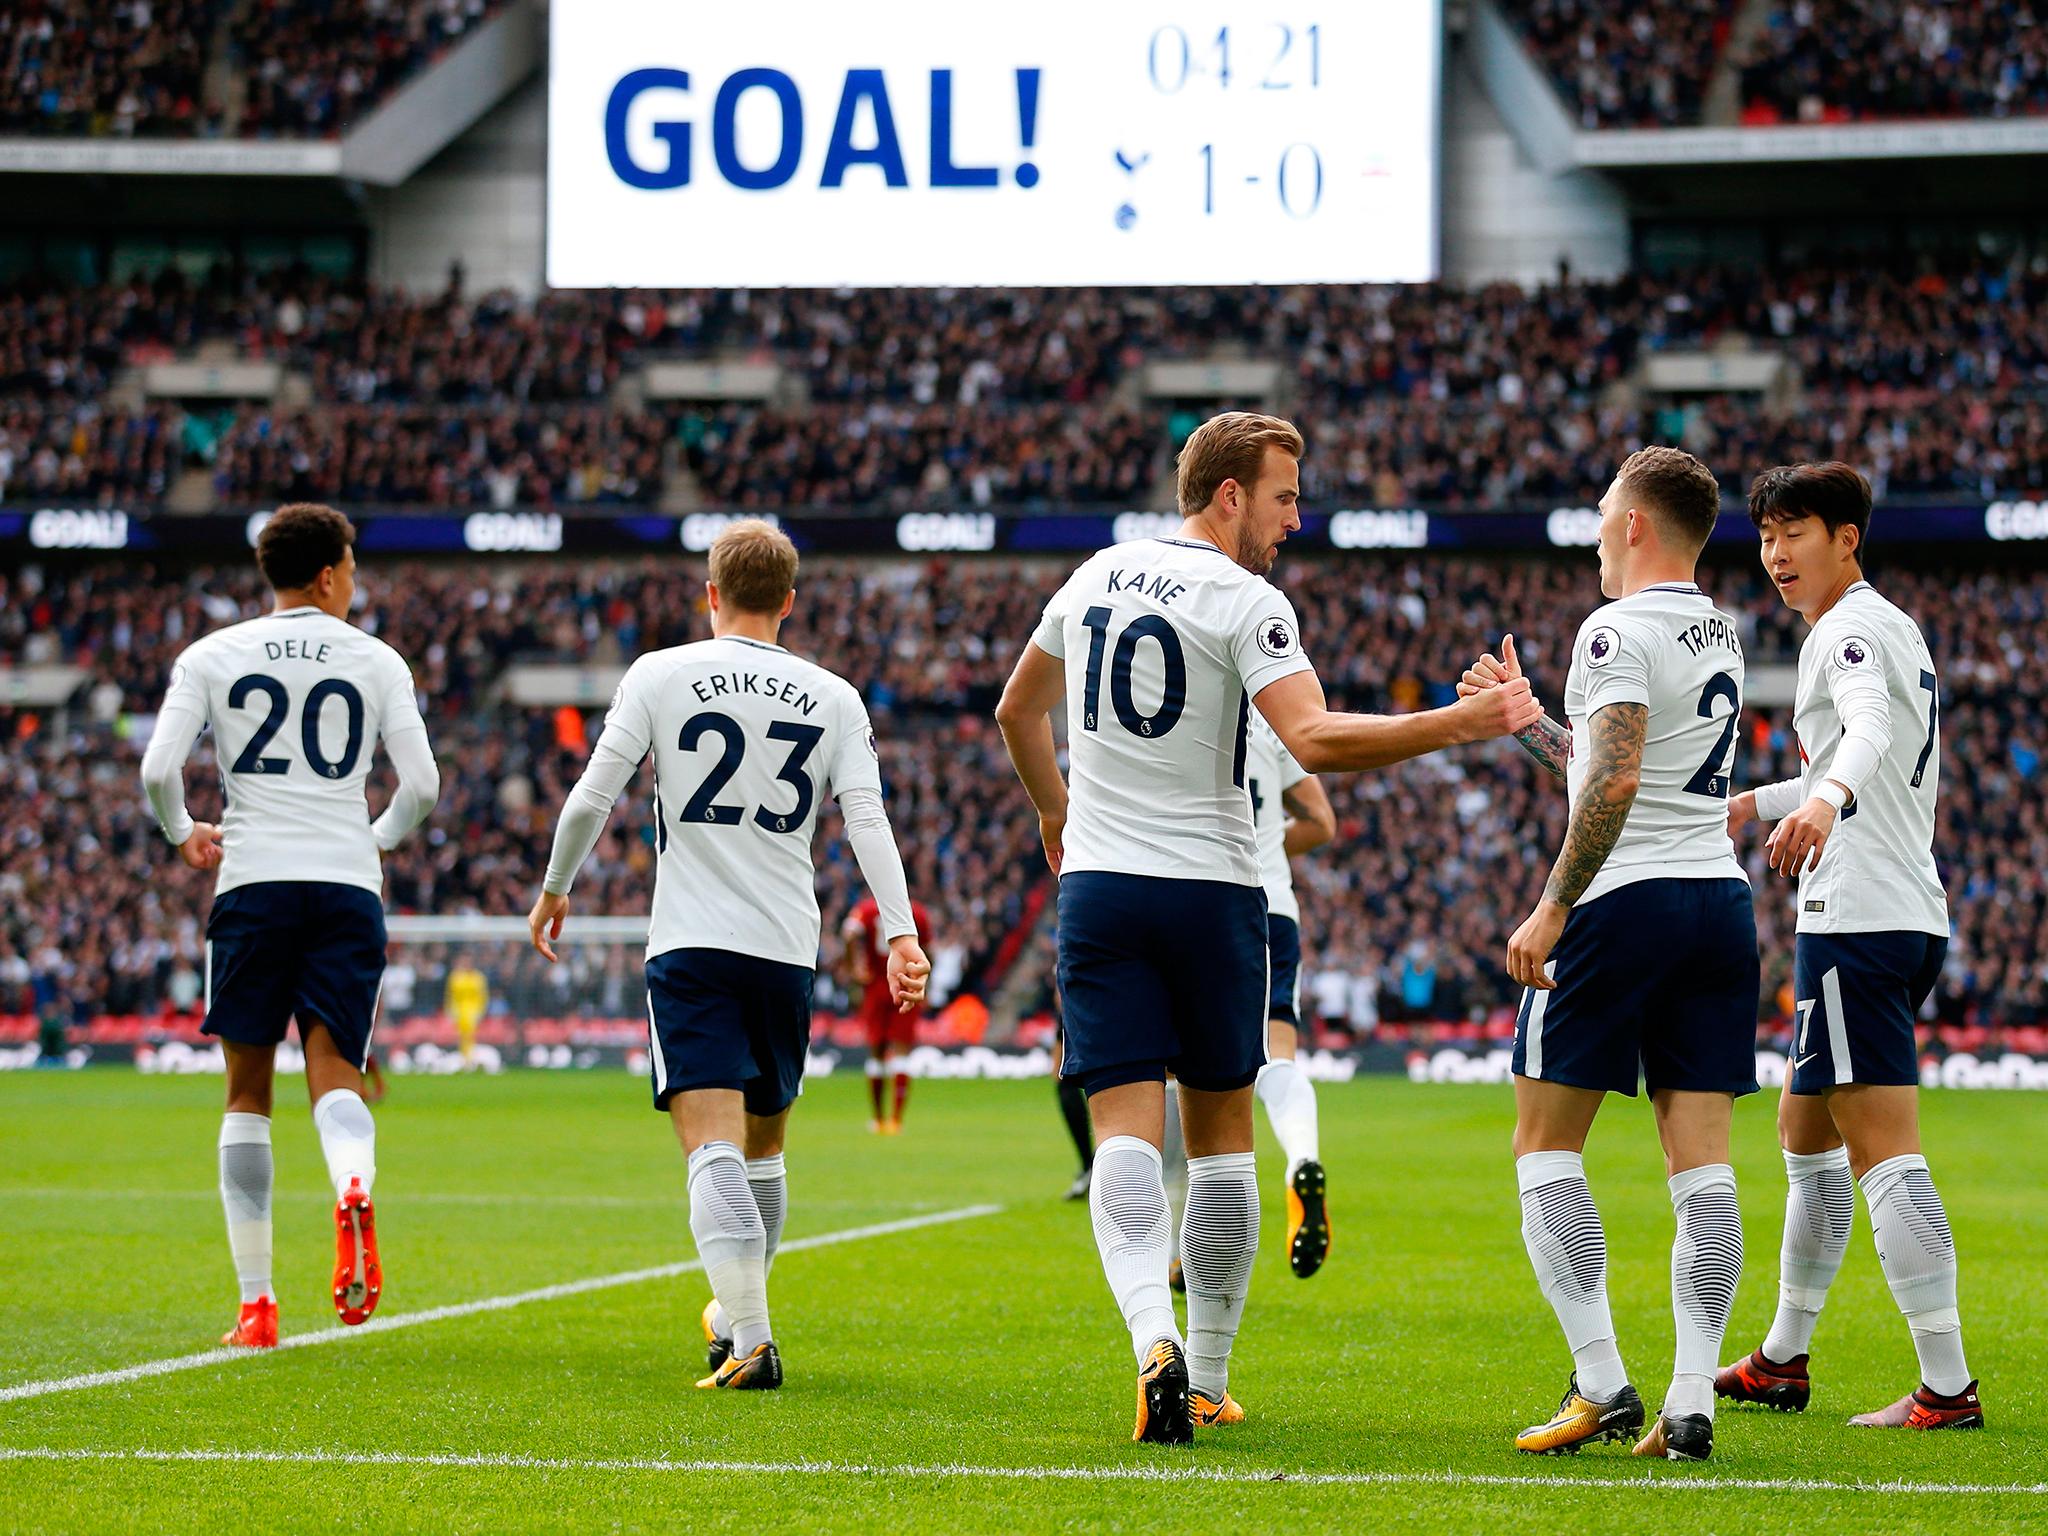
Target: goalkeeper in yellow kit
{"points": [[468, 996]]}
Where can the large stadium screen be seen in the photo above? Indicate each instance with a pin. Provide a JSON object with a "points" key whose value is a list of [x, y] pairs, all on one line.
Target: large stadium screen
{"points": [[818, 143]]}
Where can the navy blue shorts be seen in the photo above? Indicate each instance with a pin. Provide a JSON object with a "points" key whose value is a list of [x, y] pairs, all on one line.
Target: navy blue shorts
{"points": [[306, 949], [1283, 987], [1661, 975], [720, 1020], [1858, 995], [1160, 975]]}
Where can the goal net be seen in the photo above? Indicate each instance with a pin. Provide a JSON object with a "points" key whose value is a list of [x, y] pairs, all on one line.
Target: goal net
{"points": [[588, 1009]]}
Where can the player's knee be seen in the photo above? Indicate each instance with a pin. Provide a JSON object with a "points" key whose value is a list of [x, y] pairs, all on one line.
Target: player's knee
{"points": [[1804, 1126]]}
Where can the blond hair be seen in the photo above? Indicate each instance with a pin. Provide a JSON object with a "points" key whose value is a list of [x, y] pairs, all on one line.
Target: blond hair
{"points": [[1231, 446], [753, 565]]}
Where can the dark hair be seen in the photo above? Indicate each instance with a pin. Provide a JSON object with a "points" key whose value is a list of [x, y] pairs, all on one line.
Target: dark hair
{"points": [[1834, 492], [1677, 487], [300, 541]]}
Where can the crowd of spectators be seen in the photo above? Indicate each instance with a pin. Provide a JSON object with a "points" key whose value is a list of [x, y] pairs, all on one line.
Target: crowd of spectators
{"points": [[1411, 394], [1405, 916], [312, 68], [1829, 61], [138, 68], [1628, 66], [128, 68]]}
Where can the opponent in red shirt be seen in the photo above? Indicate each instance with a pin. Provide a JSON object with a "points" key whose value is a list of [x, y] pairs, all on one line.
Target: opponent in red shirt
{"points": [[890, 1033]]}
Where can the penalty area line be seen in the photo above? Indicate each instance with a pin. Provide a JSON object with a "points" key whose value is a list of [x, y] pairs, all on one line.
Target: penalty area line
{"points": [[377, 1325], [1649, 1482]]}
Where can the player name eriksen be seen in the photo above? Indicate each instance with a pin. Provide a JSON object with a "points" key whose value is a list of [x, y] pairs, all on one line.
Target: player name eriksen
{"points": [[1715, 631], [718, 684], [1165, 588]]}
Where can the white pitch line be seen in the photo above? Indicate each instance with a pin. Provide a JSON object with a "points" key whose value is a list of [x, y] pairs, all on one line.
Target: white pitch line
{"points": [[676, 1201], [378, 1325], [1648, 1482]]}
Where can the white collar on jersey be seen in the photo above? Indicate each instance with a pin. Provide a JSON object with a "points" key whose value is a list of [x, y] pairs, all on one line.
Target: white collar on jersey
{"points": [[1689, 588], [1188, 544], [759, 645], [295, 613]]}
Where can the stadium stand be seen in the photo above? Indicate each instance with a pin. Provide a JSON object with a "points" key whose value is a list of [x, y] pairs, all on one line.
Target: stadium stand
{"points": [[1627, 66], [97, 926], [1413, 394], [1828, 61], [139, 68]]}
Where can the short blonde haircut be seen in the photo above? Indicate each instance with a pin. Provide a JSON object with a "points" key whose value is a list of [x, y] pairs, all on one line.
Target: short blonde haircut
{"points": [[1230, 447], [753, 565]]}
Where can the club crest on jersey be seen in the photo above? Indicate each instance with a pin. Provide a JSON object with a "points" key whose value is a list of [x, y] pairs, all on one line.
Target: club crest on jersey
{"points": [[1853, 652], [1276, 637], [1602, 646]]}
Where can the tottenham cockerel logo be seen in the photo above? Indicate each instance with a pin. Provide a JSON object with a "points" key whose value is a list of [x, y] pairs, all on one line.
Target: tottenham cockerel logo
{"points": [[1276, 637]]}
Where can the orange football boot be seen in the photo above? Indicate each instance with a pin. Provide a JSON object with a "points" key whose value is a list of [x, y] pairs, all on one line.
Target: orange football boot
{"points": [[1208, 1413], [1308, 1219], [1922, 1409], [358, 1280], [1164, 1415], [257, 1326], [1785, 1388]]}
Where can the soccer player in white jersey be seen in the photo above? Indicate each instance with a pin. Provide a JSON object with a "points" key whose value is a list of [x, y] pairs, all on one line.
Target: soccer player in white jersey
{"points": [[1290, 815], [1641, 953], [1161, 649], [298, 700], [747, 740], [1857, 829]]}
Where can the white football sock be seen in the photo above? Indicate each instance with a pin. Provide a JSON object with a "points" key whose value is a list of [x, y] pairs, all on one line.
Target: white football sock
{"points": [[1918, 1255], [245, 1180], [1290, 1100], [1706, 1261], [1219, 1239], [766, 1178], [731, 1241], [348, 1138], [1561, 1229], [1127, 1201], [1173, 1165], [1820, 1210]]}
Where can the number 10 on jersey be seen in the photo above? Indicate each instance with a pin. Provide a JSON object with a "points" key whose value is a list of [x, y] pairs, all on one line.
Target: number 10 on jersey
{"points": [[1174, 693]]}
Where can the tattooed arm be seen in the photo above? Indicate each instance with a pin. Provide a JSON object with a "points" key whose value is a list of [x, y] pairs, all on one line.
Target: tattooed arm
{"points": [[1549, 743], [1546, 741], [1614, 769], [1613, 774]]}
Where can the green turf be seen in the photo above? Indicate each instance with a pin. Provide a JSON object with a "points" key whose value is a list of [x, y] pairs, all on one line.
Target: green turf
{"points": [[988, 1343]]}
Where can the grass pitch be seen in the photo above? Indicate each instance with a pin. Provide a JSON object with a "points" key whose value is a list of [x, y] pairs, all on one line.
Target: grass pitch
{"points": [[966, 1375]]}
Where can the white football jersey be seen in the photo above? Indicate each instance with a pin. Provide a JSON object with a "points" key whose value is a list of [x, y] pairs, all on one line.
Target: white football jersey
{"points": [[1165, 643], [1877, 874], [298, 701], [1270, 771], [1669, 647], [748, 742]]}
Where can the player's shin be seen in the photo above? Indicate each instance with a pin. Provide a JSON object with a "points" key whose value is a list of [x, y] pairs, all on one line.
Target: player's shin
{"points": [[1219, 1239], [348, 1138], [1706, 1262], [731, 1241], [245, 1185], [1568, 1247], [1128, 1205], [1820, 1209], [1918, 1255]]}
